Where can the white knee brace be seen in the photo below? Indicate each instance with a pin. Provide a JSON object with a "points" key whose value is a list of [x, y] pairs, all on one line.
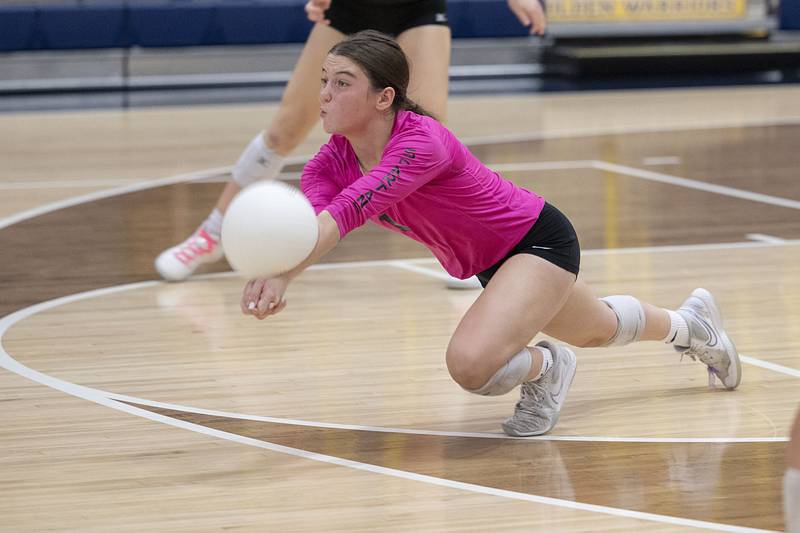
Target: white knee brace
{"points": [[509, 376], [257, 162], [630, 319]]}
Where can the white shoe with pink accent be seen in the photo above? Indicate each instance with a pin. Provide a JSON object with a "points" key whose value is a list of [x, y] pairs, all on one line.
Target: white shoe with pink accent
{"points": [[180, 261]]}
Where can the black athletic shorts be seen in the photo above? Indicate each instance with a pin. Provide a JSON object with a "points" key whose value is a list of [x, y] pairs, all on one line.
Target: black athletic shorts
{"points": [[392, 17], [551, 237]]}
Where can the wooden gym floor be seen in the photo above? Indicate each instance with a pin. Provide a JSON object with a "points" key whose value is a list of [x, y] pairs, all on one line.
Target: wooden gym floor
{"points": [[129, 404]]}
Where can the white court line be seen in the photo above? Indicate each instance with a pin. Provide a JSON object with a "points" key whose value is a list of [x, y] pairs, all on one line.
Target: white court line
{"points": [[99, 195], [405, 263], [699, 185], [98, 396], [661, 160], [435, 433], [500, 138], [650, 176], [103, 398], [511, 167], [7, 322], [764, 238], [542, 165], [422, 270], [201, 175], [705, 124], [62, 184], [475, 141], [691, 247], [770, 366]]}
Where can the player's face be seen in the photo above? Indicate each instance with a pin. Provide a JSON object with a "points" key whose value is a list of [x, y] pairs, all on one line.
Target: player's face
{"points": [[347, 100]]}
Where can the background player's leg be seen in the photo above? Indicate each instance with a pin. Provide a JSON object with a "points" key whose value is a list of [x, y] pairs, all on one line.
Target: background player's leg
{"points": [[262, 158], [791, 480], [428, 51]]}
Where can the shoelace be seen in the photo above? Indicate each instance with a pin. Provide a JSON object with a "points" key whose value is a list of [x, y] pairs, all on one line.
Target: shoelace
{"points": [[695, 354], [699, 351], [194, 247], [531, 397]]}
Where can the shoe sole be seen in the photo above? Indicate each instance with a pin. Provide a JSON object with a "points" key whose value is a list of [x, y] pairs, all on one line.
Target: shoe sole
{"points": [[169, 274], [558, 414], [727, 343], [166, 273]]}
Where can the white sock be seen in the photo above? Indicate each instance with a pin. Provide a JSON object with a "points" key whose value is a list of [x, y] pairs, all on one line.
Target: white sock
{"points": [[791, 500], [678, 333], [213, 224], [257, 162], [547, 362]]}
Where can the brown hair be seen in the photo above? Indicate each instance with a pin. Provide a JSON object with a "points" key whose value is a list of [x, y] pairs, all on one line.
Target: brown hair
{"points": [[384, 63]]}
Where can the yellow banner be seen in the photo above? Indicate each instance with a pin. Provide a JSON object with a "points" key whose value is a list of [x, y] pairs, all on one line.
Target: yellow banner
{"points": [[643, 10]]}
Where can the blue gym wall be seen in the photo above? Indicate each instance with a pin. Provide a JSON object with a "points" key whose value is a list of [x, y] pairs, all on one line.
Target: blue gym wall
{"points": [[154, 23]]}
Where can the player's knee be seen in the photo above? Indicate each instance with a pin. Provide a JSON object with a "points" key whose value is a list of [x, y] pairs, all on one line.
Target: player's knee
{"points": [[468, 367], [464, 365], [630, 320]]}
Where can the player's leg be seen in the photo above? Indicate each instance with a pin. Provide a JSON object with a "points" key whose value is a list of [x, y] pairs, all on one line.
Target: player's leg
{"points": [[695, 329], [296, 115], [489, 352], [262, 158], [428, 50]]}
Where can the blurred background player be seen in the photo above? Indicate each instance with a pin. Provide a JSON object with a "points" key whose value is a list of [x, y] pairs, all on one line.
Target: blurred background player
{"points": [[791, 480], [422, 31]]}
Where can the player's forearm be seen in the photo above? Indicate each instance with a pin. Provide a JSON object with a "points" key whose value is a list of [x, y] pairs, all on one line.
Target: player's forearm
{"points": [[326, 241]]}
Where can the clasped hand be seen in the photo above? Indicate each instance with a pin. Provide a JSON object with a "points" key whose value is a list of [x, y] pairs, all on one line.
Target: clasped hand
{"points": [[264, 297]]}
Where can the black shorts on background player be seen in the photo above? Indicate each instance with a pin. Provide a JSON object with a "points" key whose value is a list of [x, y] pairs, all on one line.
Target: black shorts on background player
{"points": [[351, 16]]}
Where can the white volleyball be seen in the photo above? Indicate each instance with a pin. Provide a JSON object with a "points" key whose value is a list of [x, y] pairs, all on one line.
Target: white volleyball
{"points": [[269, 228]]}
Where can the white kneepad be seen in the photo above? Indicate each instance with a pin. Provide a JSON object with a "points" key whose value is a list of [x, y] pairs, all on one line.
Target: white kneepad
{"points": [[630, 319], [509, 376], [257, 162]]}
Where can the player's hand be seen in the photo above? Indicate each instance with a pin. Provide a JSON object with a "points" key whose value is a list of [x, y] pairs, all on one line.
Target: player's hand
{"points": [[530, 13], [264, 297], [315, 10]]}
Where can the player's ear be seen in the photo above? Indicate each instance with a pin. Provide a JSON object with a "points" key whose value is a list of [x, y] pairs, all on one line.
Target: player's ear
{"points": [[385, 99]]}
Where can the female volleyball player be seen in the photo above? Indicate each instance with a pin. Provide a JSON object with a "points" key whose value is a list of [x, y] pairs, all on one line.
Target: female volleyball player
{"points": [[422, 31], [390, 163]]}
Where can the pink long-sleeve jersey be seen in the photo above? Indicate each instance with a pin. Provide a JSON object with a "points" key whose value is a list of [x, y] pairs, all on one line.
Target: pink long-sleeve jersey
{"points": [[429, 187]]}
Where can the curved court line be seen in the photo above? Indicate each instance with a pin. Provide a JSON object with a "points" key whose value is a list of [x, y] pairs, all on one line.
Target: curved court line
{"points": [[434, 433], [7, 361], [62, 184], [402, 263], [105, 399], [114, 191], [199, 176], [501, 167], [469, 141]]}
